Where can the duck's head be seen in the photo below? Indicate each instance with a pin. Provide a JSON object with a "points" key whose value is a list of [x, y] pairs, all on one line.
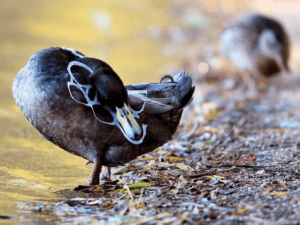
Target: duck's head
{"points": [[113, 95], [271, 47]]}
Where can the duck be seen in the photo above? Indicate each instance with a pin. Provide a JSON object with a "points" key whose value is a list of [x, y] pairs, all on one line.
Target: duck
{"points": [[258, 45], [80, 104]]}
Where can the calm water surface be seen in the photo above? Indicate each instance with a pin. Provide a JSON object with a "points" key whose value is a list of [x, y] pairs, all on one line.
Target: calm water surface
{"points": [[31, 168]]}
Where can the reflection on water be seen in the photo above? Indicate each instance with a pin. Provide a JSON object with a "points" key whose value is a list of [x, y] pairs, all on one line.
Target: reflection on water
{"points": [[31, 168]]}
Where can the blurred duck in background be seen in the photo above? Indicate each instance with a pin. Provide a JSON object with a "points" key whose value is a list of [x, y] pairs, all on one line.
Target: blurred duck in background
{"points": [[258, 45]]}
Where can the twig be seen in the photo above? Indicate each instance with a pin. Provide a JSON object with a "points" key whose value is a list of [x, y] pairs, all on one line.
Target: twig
{"points": [[245, 166]]}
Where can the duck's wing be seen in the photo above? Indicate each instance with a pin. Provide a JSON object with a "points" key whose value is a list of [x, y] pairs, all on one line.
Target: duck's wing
{"points": [[162, 97]]}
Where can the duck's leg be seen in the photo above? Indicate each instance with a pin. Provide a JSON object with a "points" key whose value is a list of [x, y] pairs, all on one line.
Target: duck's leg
{"points": [[247, 79], [105, 174], [95, 174], [250, 83], [109, 172]]}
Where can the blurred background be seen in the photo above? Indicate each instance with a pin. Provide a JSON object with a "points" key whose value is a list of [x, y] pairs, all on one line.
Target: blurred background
{"points": [[141, 39]]}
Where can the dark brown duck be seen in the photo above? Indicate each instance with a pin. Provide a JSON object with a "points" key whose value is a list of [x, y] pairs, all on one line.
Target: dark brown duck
{"points": [[81, 105]]}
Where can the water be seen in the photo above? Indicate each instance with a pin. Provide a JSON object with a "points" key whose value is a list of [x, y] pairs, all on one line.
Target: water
{"points": [[31, 168]]}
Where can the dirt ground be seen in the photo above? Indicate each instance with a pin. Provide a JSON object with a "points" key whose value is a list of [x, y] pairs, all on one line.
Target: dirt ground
{"points": [[239, 166], [234, 160]]}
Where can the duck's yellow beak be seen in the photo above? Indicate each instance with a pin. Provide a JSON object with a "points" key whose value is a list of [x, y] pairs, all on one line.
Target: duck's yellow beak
{"points": [[131, 128]]}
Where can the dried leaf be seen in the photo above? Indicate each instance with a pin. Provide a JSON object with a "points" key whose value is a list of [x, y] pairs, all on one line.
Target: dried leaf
{"points": [[241, 105], [146, 158], [146, 168], [126, 169], [242, 210], [98, 189], [116, 191], [199, 182], [164, 164], [151, 163], [274, 187], [139, 185], [222, 198], [183, 167], [214, 176], [174, 191], [134, 188], [137, 204], [279, 193], [174, 159]]}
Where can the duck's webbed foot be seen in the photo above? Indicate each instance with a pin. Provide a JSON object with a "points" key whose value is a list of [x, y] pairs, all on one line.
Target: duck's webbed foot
{"points": [[95, 174], [106, 173]]}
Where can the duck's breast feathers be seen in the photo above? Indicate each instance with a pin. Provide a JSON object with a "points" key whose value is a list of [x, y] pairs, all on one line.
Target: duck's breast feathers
{"points": [[162, 97]]}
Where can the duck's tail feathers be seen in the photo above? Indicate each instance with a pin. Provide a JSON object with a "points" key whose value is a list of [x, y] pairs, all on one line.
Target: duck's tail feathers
{"points": [[185, 88], [162, 97]]}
